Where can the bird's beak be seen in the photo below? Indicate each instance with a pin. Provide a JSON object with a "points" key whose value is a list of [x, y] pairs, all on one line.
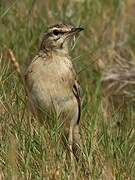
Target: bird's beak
{"points": [[76, 30], [72, 33]]}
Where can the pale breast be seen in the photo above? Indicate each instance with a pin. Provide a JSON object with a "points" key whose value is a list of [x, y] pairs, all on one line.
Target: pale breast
{"points": [[51, 81]]}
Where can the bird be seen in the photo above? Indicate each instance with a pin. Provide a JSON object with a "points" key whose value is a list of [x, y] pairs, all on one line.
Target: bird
{"points": [[52, 81]]}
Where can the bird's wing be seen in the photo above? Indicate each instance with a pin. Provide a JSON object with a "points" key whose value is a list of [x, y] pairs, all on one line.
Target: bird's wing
{"points": [[77, 93]]}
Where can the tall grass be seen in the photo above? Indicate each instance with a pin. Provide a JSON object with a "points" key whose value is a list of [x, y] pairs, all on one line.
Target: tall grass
{"points": [[31, 151]]}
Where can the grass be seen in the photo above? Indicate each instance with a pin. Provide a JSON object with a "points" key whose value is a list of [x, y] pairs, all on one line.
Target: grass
{"points": [[31, 151]]}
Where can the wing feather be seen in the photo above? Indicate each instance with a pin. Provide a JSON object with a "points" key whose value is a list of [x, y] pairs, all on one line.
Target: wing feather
{"points": [[76, 91]]}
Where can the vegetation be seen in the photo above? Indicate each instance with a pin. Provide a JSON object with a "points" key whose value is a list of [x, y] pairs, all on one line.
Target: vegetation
{"points": [[31, 151]]}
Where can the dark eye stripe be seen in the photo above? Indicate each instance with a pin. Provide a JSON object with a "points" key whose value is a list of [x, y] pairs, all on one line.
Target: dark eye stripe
{"points": [[57, 32]]}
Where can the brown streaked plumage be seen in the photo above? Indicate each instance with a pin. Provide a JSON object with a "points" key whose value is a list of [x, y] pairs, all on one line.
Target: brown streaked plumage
{"points": [[52, 80]]}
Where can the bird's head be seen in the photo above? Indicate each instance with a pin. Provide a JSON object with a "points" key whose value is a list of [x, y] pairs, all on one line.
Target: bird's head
{"points": [[57, 37]]}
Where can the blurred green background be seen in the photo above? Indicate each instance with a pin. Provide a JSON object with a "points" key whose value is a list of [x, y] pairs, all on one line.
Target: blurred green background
{"points": [[30, 151]]}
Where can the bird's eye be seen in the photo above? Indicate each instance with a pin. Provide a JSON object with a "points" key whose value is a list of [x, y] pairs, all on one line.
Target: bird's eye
{"points": [[55, 32]]}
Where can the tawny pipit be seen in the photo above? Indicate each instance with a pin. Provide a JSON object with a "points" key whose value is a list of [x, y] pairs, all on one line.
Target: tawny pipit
{"points": [[51, 79]]}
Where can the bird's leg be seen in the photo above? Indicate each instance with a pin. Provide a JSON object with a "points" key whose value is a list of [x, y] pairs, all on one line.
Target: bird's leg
{"points": [[73, 169], [71, 143], [76, 147]]}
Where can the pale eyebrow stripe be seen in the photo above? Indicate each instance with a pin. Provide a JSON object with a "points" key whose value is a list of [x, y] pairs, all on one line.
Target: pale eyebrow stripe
{"points": [[64, 30]]}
